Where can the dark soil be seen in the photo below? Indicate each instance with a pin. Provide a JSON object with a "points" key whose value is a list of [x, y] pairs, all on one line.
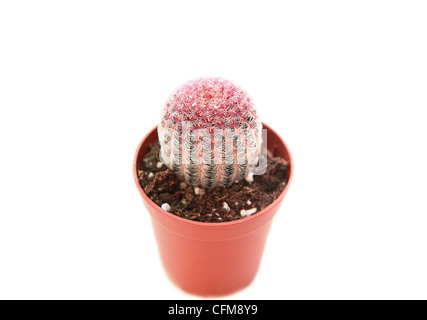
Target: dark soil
{"points": [[162, 186]]}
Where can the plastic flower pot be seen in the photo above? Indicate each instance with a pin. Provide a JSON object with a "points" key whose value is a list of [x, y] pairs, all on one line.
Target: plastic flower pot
{"points": [[212, 259]]}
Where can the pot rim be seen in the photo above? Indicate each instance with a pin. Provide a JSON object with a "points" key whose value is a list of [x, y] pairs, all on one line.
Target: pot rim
{"points": [[255, 216]]}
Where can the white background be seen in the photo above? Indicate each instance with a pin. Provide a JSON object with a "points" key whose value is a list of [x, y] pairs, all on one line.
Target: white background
{"points": [[343, 82]]}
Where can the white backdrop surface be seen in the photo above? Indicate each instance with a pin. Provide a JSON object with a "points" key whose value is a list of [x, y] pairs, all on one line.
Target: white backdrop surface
{"points": [[343, 82]]}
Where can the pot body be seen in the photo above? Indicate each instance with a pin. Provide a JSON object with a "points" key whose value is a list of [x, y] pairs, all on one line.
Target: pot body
{"points": [[212, 259]]}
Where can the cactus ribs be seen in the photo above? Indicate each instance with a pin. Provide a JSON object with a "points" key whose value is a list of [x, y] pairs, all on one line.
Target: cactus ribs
{"points": [[220, 204]]}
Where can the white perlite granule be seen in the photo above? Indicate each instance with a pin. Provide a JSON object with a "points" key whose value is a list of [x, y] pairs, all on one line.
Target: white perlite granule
{"points": [[225, 206], [199, 191], [150, 175], [247, 213], [159, 165], [249, 202], [250, 177], [166, 206]]}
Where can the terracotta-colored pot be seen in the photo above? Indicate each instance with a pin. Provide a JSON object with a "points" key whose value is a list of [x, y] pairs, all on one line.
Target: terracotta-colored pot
{"points": [[212, 259]]}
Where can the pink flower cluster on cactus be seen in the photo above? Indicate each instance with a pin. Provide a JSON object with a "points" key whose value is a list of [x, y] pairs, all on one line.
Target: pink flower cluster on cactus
{"points": [[210, 133]]}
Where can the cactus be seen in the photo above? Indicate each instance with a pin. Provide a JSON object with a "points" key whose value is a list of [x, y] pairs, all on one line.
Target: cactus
{"points": [[210, 133]]}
